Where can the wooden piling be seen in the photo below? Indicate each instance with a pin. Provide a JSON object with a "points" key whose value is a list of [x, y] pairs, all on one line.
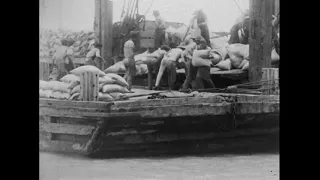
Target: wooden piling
{"points": [[44, 71], [103, 28], [89, 86], [260, 38], [272, 84]]}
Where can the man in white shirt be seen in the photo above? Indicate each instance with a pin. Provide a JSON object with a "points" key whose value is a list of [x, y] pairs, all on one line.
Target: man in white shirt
{"points": [[160, 30], [129, 61]]}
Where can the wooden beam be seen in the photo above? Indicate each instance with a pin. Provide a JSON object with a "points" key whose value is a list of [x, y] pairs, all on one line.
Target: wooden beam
{"points": [[65, 128], [260, 37], [106, 30], [97, 20]]}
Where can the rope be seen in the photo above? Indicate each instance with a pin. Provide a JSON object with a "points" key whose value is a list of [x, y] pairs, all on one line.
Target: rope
{"points": [[237, 5], [148, 8]]}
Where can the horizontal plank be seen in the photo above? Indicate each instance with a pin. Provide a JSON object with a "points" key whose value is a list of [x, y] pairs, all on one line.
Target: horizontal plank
{"points": [[79, 113], [65, 128], [166, 111], [81, 104], [169, 137], [60, 146], [167, 102], [258, 108], [260, 98]]}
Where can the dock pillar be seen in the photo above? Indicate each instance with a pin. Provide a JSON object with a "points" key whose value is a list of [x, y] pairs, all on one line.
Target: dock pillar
{"points": [[103, 29], [89, 86], [260, 38]]}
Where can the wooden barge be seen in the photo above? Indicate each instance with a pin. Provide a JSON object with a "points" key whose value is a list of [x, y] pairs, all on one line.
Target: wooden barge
{"points": [[162, 125], [99, 127]]}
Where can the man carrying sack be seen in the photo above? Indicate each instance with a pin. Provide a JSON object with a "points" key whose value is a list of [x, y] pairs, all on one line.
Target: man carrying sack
{"points": [[62, 61]]}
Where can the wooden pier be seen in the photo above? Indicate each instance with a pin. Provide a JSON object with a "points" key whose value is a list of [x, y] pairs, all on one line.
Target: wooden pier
{"points": [[99, 127]]}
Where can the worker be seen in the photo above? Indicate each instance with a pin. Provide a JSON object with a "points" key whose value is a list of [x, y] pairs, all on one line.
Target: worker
{"points": [[200, 17], [62, 61], [190, 70], [160, 30], [93, 56], [203, 79], [168, 63], [239, 32], [129, 61], [154, 68]]}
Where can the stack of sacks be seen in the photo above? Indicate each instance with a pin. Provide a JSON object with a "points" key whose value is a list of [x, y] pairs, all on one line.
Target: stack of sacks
{"points": [[238, 57], [201, 58], [78, 42], [150, 59], [119, 68], [141, 64], [219, 50], [176, 35], [111, 86], [54, 89]]}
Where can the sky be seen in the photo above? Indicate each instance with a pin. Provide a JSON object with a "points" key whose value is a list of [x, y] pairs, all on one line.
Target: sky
{"points": [[78, 15]]}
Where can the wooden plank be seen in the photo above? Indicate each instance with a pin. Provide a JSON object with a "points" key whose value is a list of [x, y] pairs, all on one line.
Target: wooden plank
{"points": [[168, 102], [260, 38], [258, 108], [44, 71], [170, 137], [47, 119], [93, 142], [43, 102], [80, 113], [270, 75], [65, 128], [166, 111], [89, 86], [60, 146]]}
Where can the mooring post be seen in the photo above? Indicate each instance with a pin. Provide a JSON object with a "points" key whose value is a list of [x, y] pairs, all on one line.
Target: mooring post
{"points": [[260, 37], [89, 86]]}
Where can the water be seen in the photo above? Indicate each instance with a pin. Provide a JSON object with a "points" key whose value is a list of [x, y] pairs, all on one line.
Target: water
{"points": [[222, 167]]}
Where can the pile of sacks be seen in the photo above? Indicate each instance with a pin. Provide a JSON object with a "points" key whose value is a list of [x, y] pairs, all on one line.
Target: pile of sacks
{"points": [[142, 60], [111, 86], [78, 42]]}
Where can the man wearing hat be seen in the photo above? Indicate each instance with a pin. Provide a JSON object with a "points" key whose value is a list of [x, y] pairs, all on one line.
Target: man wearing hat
{"points": [[160, 30]]}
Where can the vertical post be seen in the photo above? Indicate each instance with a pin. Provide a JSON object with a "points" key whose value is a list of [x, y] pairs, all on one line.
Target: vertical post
{"points": [[276, 7], [97, 20], [106, 30], [89, 86], [260, 37], [44, 71]]}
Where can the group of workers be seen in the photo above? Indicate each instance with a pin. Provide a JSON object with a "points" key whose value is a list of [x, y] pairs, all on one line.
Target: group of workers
{"points": [[198, 76], [183, 51]]}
